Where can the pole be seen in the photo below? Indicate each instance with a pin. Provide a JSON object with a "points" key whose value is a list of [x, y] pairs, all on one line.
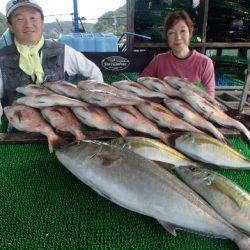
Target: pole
{"points": [[76, 27]]}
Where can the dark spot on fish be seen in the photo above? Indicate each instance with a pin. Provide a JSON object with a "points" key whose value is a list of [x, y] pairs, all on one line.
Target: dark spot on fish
{"points": [[136, 86], [108, 160], [156, 119], [158, 109], [124, 110], [55, 110], [19, 115], [96, 99], [118, 119]]}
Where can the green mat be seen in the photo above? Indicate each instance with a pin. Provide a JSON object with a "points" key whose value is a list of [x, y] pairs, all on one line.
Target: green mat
{"points": [[43, 206]]}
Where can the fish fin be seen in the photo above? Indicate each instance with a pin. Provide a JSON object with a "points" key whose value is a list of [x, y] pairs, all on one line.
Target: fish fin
{"points": [[165, 165], [56, 142], [169, 227]]}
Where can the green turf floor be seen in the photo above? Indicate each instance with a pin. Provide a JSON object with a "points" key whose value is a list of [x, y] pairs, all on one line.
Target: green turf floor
{"points": [[43, 206]]}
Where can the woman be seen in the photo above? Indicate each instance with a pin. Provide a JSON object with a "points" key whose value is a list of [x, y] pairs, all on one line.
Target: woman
{"points": [[181, 61]]}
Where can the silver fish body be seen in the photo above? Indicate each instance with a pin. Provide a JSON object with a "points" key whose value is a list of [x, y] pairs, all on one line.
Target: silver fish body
{"points": [[226, 197], [164, 117], [140, 185], [137, 89], [33, 89], [212, 113], [204, 148], [131, 118], [187, 113], [48, 100], [64, 88], [158, 85]]}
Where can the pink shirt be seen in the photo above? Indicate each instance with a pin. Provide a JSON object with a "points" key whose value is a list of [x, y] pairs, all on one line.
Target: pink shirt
{"points": [[196, 68]]}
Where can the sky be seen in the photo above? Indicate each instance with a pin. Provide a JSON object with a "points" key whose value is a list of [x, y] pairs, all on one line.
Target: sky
{"points": [[89, 9]]}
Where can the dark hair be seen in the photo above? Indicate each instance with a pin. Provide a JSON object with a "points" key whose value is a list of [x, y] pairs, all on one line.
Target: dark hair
{"points": [[174, 18], [9, 17]]}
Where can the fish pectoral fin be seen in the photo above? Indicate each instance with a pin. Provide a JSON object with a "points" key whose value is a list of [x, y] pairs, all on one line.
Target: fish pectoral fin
{"points": [[165, 165], [169, 227]]}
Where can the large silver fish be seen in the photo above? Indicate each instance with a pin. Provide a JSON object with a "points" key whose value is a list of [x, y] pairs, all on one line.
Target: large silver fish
{"points": [[29, 119], [164, 117], [33, 89], [158, 85], [64, 88], [137, 89], [187, 113], [48, 100], [131, 118], [153, 150], [212, 113], [177, 83], [227, 198], [105, 98], [140, 185], [98, 118], [204, 148], [64, 120]]}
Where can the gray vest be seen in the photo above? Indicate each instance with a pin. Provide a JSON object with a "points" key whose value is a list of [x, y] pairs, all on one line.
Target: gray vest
{"points": [[13, 76]]}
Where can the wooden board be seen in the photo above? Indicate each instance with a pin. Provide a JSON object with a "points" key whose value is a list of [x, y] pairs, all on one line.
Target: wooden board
{"points": [[27, 138]]}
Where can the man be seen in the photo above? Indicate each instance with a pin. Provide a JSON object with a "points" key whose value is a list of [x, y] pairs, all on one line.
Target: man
{"points": [[31, 59]]}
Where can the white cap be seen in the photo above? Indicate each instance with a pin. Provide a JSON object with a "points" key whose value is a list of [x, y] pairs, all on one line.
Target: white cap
{"points": [[13, 4]]}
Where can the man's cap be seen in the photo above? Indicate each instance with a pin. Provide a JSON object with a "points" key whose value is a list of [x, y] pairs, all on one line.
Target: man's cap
{"points": [[13, 4]]}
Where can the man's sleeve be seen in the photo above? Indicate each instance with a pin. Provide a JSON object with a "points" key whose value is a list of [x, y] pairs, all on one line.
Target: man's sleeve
{"points": [[76, 63]]}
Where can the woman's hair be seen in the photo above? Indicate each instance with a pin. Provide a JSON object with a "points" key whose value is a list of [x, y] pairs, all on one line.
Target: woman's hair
{"points": [[9, 17], [174, 18]]}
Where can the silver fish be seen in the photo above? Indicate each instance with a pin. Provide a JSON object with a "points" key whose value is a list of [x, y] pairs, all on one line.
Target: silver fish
{"points": [[130, 118], [107, 99], [28, 119], [97, 118], [187, 113], [212, 113], [204, 148], [140, 185], [64, 88], [33, 89], [137, 89], [48, 100], [226, 197], [163, 117], [158, 85], [177, 83], [63, 119]]}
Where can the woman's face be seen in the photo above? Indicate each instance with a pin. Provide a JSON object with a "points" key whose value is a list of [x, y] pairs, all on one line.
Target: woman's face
{"points": [[178, 37], [27, 25]]}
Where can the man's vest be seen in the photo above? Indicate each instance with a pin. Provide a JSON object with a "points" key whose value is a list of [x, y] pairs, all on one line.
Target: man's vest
{"points": [[13, 76]]}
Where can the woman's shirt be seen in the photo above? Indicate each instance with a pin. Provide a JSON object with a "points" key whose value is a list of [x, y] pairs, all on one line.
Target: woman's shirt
{"points": [[195, 68]]}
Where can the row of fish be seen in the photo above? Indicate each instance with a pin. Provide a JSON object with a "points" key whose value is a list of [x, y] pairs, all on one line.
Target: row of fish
{"points": [[124, 172]]}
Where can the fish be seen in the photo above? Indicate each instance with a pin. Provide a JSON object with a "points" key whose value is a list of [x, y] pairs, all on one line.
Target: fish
{"points": [[138, 184], [212, 113], [98, 118], [230, 200], [177, 83], [187, 113], [153, 150], [64, 88], [130, 118], [94, 85], [28, 119], [64, 120], [163, 117], [105, 98], [158, 85], [204, 148], [48, 100], [137, 89], [30, 89]]}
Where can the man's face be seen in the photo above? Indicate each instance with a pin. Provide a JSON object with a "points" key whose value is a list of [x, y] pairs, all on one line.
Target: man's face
{"points": [[27, 25]]}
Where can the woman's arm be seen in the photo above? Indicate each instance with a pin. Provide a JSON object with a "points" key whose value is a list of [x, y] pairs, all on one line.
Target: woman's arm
{"points": [[208, 78]]}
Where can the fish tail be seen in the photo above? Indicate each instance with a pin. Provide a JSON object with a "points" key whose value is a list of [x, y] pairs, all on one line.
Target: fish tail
{"points": [[165, 138], [122, 131], [243, 129], [243, 242], [79, 135], [217, 134], [55, 141]]}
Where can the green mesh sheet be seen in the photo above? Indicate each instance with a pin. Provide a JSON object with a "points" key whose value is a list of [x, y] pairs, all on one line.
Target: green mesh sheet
{"points": [[231, 60], [43, 206]]}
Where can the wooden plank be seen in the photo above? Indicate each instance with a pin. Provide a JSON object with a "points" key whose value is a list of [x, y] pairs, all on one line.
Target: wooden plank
{"points": [[245, 91], [130, 24], [26, 138]]}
